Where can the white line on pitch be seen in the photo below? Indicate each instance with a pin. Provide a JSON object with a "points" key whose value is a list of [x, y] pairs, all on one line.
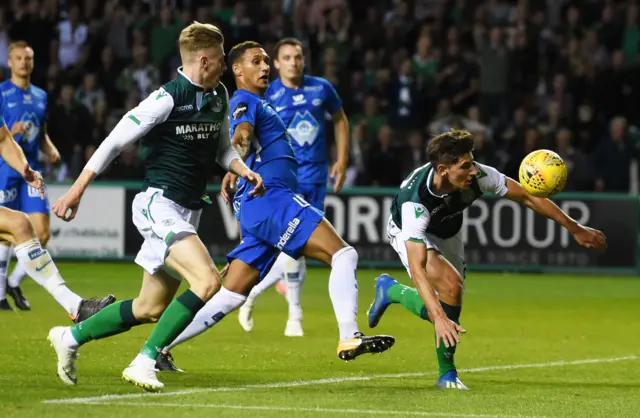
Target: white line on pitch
{"points": [[296, 383], [319, 410]]}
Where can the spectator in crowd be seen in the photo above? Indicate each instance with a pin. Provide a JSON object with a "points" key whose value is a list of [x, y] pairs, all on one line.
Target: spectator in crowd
{"points": [[519, 74], [70, 125], [141, 75], [613, 159]]}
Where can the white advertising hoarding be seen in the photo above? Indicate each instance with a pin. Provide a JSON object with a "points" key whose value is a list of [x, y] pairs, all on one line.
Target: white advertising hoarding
{"points": [[98, 229]]}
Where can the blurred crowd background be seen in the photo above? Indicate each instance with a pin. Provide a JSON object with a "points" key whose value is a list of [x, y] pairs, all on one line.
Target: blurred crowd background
{"points": [[519, 74]]}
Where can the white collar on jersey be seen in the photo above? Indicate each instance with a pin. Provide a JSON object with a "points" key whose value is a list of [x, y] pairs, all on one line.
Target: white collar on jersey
{"points": [[430, 182], [190, 80]]}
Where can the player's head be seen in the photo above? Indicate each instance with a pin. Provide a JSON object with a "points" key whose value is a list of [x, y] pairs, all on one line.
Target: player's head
{"points": [[20, 59], [451, 155], [250, 65], [202, 49], [289, 58]]}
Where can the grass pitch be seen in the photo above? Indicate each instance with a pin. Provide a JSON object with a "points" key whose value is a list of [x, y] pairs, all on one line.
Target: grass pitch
{"points": [[554, 346]]}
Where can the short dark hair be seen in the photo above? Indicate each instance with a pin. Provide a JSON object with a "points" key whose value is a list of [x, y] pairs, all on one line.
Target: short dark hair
{"points": [[286, 41], [238, 50], [448, 147]]}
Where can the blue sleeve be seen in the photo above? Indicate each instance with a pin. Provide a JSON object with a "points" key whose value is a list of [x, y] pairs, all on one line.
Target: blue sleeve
{"points": [[2, 122], [243, 109], [332, 100]]}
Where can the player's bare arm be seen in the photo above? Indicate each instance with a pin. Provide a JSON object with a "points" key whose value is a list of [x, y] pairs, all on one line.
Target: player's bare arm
{"points": [[585, 236], [13, 155], [341, 130], [49, 149], [446, 329]]}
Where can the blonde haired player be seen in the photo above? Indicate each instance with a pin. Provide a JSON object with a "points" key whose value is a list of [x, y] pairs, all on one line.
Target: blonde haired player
{"points": [[184, 128], [424, 229]]}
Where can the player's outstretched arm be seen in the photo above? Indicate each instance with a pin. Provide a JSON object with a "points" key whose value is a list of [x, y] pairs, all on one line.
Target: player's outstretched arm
{"points": [[49, 149], [585, 236], [446, 330], [13, 155], [152, 111]]}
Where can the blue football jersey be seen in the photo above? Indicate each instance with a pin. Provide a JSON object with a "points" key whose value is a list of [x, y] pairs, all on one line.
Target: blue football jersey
{"points": [[1, 117], [303, 112], [271, 153], [30, 107]]}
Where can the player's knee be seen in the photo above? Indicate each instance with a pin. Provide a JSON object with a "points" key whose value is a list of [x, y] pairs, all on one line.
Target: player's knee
{"points": [[44, 234], [205, 283], [21, 228], [346, 255], [147, 311], [451, 285]]}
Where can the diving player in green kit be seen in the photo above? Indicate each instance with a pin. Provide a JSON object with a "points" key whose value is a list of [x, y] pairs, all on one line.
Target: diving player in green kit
{"points": [[184, 127], [424, 229]]}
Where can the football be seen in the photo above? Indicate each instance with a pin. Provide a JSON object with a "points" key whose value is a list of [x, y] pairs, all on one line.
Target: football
{"points": [[543, 173]]}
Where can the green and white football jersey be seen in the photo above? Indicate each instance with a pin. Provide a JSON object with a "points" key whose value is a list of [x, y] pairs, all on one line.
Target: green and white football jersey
{"points": [[418, 211], [183, 124]]}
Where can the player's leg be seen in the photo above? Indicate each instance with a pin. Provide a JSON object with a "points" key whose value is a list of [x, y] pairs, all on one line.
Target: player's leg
{"points": [[9, 188], [250, 260], [5, 251], [41, 224], [170, 231], [245, 314], [445, 270], [156, 293], [296, 269], [324, 244], [39, 265]]}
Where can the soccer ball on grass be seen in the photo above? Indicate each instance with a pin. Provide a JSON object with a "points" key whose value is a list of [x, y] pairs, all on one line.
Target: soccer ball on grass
{"points": [[543, 173]]}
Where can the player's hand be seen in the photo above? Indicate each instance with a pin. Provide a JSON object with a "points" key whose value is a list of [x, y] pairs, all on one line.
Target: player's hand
{"points": [[448, 332], [33, 179], [17, 128], [256, 181], [54, 156], [590, 238], [338, 174], [70, 201], [228, 184]]}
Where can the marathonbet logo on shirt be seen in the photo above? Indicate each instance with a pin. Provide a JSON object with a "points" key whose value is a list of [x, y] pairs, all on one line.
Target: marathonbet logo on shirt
{"points": [[193, 131]]}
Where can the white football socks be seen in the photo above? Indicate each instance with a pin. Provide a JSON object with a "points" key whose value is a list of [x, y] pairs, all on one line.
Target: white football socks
{"points": [[38, 264], [275, 274], [16, 276], [5, 251], [220, 305], [343, 290], [295, 272]]}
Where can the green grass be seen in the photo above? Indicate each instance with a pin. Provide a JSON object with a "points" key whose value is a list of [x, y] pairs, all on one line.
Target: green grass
{"points": [[511, 320]]}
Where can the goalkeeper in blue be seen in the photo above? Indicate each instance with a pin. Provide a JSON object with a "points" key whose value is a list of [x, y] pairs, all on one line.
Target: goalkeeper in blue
{"points": [[280, 221], [424, 229]]}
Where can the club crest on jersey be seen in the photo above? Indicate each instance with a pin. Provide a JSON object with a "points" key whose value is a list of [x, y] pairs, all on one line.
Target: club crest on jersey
{"points": [[217, 104], [240, 110], [317, 102], [304, 128], [31, 127]]}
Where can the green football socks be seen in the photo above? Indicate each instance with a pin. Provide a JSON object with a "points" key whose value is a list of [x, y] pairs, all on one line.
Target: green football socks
{"points": [[411, 300], [173, 321], [114, 319], [445, 354]]}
